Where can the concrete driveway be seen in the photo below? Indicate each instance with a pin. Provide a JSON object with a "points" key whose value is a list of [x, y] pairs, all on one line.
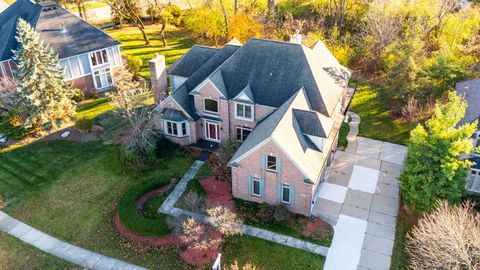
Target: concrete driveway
{"points": [[360, 198]]}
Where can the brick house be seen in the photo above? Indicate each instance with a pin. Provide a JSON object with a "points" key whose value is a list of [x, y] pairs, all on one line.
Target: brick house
{"points": [[282, 101], [470, 92], [88, 55]]}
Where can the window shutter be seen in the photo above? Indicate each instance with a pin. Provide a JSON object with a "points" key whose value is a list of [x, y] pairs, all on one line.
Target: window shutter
{"points": [[263, 162], [279, 192], [292, 195], [262, 188], [250, 185], [279, 164]]}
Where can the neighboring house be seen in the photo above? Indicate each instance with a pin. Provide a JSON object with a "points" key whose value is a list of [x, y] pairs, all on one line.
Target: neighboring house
{"points": [[88, 55], [282, 101], [470, 92]]}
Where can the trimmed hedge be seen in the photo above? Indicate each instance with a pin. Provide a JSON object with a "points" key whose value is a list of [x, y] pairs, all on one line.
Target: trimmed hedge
{"points": [[133, 220]]}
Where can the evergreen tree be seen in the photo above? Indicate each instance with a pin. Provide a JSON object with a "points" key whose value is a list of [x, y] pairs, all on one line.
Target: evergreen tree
{"points": [[434, 169], [42, 95]]}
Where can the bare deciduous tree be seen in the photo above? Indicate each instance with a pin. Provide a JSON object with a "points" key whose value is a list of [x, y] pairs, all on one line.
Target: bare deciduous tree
{"points": [[194, 201], [381, 28], [199, 236], [7, 94], [130, 99], [226, 221], [130, 10], [235, 266], [446, 238]]}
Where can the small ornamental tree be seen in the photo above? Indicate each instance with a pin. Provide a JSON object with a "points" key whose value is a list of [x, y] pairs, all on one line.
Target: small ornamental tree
{"points": [[42, 95], [130, 97], [446, 238], [433, 167]]}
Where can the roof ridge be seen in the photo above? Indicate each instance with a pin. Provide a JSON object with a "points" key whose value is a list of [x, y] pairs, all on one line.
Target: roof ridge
{"points": [[276, 41]]}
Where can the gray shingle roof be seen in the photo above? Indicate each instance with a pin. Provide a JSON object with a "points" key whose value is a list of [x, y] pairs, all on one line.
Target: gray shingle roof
{"points": [[263, 130], [182, 94], [173, 115], [191, 61], [47, 18], [309, 123], [276, 70], [470, 92]]}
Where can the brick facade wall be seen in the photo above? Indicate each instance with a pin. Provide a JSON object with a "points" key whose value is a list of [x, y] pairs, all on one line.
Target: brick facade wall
{"points": [[251, 166]]}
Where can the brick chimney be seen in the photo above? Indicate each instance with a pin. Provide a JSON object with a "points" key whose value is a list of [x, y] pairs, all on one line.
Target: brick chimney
{"points": [[296, 38], [158, 76]]}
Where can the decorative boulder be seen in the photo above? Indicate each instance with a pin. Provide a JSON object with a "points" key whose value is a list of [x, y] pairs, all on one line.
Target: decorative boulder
{"points": [[65, 134]]}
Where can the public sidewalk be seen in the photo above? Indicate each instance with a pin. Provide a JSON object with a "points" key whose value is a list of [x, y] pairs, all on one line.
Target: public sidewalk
{"points": [[61, 249]]}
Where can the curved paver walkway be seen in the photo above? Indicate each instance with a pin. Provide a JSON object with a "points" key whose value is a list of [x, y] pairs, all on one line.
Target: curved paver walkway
{"points": [[61, 249], [352, 135], [168, 207]]}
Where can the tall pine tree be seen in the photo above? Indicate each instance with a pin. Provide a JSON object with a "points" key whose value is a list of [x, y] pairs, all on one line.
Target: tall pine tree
{"points": [[434, 169], [42, 95]]}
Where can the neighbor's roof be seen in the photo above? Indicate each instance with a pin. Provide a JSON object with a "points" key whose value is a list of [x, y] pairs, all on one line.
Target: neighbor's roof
{"points": [[191, 61], [47, 18], [470, 92]]}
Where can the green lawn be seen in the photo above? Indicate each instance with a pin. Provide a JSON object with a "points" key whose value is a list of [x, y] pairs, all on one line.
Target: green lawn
{"points": [[179, 41], [88, 6], [269, 256], [16, 255], [399, 256], [376, 121], [70, 190]]}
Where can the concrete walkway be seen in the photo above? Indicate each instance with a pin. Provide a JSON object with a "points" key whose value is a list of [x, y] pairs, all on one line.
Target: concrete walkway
{"points": [[168, 207], [61, 249], [360, 199]]}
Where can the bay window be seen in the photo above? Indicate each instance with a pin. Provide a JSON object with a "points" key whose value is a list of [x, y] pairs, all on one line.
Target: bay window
{"points": [[177, 129], [99, 57]]}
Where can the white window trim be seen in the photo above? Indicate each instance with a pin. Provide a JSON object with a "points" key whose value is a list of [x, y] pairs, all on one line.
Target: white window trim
{"points": [[242, 128], [254, 179], [289, 194], [81, 66], [100, 66], [95, 81], [266, 163], [242, 117], [179, 128], [207, 131], [212, 112]]}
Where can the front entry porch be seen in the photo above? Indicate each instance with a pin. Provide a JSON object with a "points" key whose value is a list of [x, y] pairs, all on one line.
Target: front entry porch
{"points": [[206, 145]]}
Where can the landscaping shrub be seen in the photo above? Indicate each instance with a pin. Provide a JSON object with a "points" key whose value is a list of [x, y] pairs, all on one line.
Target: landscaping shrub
{"points": [[281, 213], [342, 137], [134, 221], [77, 95], [165, 148], [134, 63], [12, 131], [84, 125], [97, 130]]}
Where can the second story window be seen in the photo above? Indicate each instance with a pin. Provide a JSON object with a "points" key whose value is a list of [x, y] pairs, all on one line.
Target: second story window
{"points": [[210, 105], [244, 111], [271, 163], [99, 57]]}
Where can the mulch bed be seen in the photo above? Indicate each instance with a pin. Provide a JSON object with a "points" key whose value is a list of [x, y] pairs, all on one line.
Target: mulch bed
{"points": [[218, 192], [316, 229], [189, 255]]}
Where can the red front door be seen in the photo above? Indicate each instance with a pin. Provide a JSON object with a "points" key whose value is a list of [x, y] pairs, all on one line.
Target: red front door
{"points": [[212, 131]]}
